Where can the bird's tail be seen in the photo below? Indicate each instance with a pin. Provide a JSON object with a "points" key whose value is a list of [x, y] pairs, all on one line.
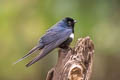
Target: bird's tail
{"points": [[40, 56], [29, 53], [47, 49]]}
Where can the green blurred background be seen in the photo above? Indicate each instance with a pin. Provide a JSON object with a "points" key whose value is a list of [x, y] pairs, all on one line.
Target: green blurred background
{"points": [[23, 22]]}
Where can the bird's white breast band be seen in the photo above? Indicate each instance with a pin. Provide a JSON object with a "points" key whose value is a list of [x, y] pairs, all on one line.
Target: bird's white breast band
{"points": [[72, 35]]}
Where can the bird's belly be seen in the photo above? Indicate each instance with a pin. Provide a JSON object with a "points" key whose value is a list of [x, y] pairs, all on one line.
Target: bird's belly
{"points": [[66, 43]]}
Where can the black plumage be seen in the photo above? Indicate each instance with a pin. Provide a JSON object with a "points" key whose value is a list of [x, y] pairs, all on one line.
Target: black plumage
{"points": [[60, 35]]}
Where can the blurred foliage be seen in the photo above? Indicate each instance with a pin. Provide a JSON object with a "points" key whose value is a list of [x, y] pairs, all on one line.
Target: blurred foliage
{"points": [[22, 22]]}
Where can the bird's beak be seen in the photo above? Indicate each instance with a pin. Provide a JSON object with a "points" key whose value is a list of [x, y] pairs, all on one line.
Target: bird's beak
{"points": [[75, 21]]}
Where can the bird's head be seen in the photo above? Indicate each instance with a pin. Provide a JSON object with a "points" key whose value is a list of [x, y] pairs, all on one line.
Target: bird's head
{"points": [[69, 21]]}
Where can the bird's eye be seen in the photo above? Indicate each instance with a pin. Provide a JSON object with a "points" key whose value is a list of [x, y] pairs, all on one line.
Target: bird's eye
{"points": [[69, 22]]}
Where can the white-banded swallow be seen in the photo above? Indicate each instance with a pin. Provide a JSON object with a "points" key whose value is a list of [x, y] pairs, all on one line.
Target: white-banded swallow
{"points": [[59, 35]]}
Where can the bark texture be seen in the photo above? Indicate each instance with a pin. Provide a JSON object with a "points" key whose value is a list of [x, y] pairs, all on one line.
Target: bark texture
{"points": [[74, 64]]}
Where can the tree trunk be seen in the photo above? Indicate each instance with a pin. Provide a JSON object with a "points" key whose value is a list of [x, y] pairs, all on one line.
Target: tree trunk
{"points": [[74, 64]]}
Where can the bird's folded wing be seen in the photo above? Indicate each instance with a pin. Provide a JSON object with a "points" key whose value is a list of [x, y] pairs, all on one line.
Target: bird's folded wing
{"points": [[55, 43]]}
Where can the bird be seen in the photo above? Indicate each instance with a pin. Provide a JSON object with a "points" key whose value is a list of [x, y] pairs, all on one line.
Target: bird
{"points": [[59, 35]]}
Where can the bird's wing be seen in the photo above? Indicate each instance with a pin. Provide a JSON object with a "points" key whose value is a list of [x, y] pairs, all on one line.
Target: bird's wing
{"points": [[60, 38], [49, 37], [52, 35]]}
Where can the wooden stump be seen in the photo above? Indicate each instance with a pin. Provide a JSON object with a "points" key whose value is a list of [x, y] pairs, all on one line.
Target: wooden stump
{"points": [[74, 64]]}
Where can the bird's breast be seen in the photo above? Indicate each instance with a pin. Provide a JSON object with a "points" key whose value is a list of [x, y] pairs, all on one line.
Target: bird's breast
{"points": [[72, 35], [66, 43]]}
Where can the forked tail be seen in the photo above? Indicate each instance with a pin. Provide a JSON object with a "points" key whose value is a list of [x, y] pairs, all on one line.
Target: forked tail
{"points": [[29, 53]]}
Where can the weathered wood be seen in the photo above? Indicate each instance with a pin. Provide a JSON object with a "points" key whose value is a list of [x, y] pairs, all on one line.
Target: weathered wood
{"points": [[74, 64]]}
